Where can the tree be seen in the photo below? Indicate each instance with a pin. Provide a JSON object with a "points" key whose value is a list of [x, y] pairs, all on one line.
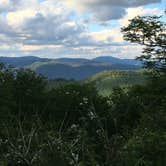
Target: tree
{"points": [[6, 87], [150, 32]]}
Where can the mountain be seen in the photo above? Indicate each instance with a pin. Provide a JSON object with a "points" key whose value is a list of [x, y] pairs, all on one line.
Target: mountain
{"points": [[79, 72], [70, 68], [107, 80], [73, 60], [21, 61], [109, 59]]}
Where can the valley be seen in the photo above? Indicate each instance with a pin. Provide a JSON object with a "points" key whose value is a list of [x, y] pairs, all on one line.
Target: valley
{"points": [[71, 68]]}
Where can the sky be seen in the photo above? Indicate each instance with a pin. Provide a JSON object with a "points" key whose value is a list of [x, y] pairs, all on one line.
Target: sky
{"points": [[70, 28]]}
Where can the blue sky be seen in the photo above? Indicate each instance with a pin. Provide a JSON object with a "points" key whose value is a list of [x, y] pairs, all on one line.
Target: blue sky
{"points": [[70, 28]]}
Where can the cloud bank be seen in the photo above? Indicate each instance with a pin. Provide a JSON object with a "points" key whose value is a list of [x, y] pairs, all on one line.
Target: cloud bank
{"points": [[51, 28]]}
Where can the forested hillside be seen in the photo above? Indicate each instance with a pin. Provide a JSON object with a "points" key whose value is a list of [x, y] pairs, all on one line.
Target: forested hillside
{"points": [[73, 124], [70, 68], [106, 81]]}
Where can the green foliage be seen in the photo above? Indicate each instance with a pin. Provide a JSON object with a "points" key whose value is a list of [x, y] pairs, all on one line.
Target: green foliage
{"points": [[60, 82], [106, 81], [148, 31], [73, 125]]}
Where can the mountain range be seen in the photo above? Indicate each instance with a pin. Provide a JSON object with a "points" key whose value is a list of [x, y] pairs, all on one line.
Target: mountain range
{"points": [[71, 68]]}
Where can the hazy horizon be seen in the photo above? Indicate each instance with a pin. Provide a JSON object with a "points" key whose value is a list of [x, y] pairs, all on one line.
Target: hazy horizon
{"points": [[89, 58]]}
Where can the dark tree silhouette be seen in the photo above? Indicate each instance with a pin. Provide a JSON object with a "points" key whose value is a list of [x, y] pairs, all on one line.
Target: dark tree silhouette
{"points": [[150, 32]]}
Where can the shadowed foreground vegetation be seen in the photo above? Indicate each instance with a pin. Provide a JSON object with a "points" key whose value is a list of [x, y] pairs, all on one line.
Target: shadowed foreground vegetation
{"points": [[74, 125]]}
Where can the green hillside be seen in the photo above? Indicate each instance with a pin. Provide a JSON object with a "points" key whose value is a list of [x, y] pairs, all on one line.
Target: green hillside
{"points": [[60, 82], [38, 64], [107, 80]]}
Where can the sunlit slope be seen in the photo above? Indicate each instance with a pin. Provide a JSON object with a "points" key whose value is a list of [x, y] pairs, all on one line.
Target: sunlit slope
{"points": [[107, 80]]}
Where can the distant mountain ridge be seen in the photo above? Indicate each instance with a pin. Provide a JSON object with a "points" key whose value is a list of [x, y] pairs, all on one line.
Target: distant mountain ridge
{"points": [[21, 61], [71, 68], [117, 60]]}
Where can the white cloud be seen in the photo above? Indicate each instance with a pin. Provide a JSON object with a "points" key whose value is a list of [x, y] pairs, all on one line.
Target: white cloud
{"points": [[139, 11], [108, 35], [49, 28], [17, 18], [42, 23]]}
